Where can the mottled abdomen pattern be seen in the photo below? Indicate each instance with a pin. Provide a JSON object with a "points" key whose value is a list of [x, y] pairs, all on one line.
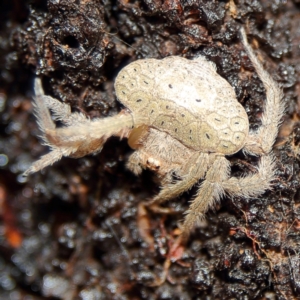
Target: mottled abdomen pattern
{"points": [[187, 99]]}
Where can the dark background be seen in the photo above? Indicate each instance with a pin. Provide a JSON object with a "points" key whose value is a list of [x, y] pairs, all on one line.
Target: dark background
{"points": [[73, 231]]}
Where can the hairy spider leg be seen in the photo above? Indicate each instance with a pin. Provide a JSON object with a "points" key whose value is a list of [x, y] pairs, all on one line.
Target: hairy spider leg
{"points": [[209, 192], [80, 136], [261, 141], [255, 184], [200, 165]]}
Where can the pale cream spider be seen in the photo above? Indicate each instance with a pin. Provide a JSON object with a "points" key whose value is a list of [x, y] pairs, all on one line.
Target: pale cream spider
{"points": [[181, 118]]}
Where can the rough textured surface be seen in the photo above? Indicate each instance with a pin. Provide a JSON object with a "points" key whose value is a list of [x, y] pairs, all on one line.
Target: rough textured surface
{"points": [[72, 232]]}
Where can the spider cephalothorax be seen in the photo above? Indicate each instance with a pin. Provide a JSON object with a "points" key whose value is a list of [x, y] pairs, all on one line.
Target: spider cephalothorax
{"points": [[181, 118]]}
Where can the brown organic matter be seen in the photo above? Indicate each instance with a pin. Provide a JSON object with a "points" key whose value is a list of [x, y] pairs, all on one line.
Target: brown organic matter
{"points": [[73, 230]]}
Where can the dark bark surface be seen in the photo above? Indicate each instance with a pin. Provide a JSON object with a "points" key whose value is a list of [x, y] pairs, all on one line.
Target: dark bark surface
{"points": [[73, 231]]}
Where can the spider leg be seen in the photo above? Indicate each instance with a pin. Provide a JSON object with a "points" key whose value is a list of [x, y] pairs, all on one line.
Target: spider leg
{"points": [[80, 137], [254, 184], [198, 170], [261, 142], [46, 160], [41, 112], [62, 111], [210, 191]]}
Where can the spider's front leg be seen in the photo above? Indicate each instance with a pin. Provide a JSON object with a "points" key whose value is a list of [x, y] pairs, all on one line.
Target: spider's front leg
{"points": [[261, 142], [80, 136]]}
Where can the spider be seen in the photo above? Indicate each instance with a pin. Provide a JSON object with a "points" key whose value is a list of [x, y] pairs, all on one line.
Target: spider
{"points": [[181, 118]]}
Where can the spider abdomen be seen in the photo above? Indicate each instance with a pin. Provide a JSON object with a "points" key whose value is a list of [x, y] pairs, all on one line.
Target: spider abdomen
{"points": [[187, 99]]}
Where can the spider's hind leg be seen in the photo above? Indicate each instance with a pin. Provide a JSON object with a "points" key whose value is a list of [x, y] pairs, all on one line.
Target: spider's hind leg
{"points": [[261, 142], [255, 184]]}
